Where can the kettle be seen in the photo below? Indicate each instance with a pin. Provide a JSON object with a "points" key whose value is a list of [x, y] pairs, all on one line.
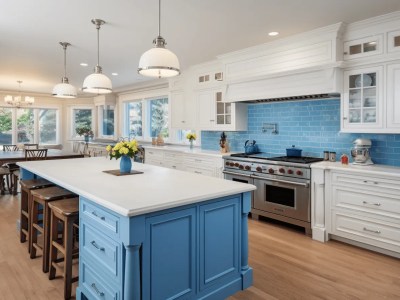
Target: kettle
{"points": [[250, 147]]}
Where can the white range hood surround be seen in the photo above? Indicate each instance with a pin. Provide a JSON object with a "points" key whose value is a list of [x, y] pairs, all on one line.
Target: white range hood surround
{"points": [[305, 64], [300, 84]]}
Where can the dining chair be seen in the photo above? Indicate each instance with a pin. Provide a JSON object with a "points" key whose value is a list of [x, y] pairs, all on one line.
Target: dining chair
{"points": [[10, 148], [31, 146], [35, 154]]}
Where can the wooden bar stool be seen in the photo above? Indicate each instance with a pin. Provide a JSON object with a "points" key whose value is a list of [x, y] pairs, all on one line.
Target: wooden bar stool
{"points": [[43, 197], [67, 212], [26, 202]]}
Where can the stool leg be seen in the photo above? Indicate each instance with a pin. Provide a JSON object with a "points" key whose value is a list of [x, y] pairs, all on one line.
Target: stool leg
{"points": [[68, 237], [24, 222], [2, 185], [53, 249], [33, 232], [46, 237]]}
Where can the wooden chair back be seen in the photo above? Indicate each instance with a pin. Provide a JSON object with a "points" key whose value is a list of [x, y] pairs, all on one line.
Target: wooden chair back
{"points": [[31, 146], [35, 154], [10, 148]]}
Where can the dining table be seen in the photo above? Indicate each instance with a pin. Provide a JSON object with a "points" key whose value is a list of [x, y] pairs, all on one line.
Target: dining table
{"points": [[16, 156]]}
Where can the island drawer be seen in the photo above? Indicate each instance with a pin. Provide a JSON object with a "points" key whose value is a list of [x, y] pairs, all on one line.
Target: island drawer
{"points": [[95, 286], [100, 218], [103, 250], [367, 230]]}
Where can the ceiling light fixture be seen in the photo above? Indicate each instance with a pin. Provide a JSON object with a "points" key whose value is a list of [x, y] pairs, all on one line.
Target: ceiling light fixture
{"points": [[84, 64], [64, 89], [18, 101], [273, 33], [114, 74], [97, 82], [159, 61]]}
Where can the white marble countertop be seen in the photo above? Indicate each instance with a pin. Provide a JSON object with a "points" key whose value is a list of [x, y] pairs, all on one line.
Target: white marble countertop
{"points": [[156, 189], [365, 169], [186, 150]]}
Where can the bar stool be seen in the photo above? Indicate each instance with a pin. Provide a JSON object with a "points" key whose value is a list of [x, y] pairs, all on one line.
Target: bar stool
{"points": [[43, 197], [67, 212], [4, 172], [26, 202]]}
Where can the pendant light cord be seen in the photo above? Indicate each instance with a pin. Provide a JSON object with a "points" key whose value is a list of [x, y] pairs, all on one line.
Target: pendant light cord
{"points": [[159, 17], [98, 45], [65, 60]]}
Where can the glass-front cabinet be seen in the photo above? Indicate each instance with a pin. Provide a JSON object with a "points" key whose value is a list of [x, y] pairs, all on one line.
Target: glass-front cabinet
{"points": [[363, 47], [394, 41], [362, 99]]}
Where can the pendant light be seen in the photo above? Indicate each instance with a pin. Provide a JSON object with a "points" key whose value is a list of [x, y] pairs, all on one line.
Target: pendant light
{"points": [[64, 89], [159, 61], [97, 82]]}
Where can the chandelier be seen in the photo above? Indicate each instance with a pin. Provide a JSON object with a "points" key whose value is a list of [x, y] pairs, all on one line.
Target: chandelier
{"points": [[19, 101]]}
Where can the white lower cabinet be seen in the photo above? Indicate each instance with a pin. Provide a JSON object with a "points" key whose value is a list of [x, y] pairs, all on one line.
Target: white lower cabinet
{"points": [[204, 164], [364, 208]]}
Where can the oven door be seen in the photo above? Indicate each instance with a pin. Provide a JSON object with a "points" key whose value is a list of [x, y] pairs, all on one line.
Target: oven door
{"points": [[283, 197]]}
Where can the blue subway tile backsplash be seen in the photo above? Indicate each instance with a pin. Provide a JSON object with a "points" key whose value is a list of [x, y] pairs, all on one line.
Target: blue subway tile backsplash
{"points": [[313, 126]]}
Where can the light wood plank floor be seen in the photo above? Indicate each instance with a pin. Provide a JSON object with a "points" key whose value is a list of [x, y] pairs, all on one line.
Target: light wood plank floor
{"points": [[287, 265]]}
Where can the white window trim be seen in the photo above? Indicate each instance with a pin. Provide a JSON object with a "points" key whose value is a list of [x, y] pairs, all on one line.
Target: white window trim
{"points": [[100, 117], [73, 136]]}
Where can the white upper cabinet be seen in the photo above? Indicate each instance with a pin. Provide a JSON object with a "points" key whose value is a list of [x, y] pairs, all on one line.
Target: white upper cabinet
{"points": [[371, 45], [394, 41], [363, 99]]}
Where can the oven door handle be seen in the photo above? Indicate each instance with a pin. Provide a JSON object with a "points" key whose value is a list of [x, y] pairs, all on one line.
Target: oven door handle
{"points": [[282, 181], [236, 174]]}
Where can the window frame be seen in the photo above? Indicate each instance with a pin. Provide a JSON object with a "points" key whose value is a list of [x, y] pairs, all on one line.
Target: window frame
{"points": [[100, 119], [72, 129]]}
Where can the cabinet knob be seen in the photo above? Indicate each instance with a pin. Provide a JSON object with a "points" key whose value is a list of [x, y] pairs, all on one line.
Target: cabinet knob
{"points": [[344, 118], [183, 121]]}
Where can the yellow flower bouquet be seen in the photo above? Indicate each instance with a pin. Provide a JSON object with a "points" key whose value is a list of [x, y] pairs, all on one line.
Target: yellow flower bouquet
{"points": [[191, 136], [123, 148]]}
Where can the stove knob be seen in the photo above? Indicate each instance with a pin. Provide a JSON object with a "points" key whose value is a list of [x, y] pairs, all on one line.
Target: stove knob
{"points": [[259, 169], [281, 170], [271, 171], [298, 172], [227, 163], [231, 164], [247, 168], [290, 171], [236, 165], [241, 167]]}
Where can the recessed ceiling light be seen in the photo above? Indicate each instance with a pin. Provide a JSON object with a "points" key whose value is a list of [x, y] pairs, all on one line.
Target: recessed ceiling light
{"points": [[84, 64], [114, 74], [273, 33]]}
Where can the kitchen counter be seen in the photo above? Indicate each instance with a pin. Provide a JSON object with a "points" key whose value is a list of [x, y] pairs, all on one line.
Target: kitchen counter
{"points": [[86, 177], [138, 231], [185, 149], [369, 169]]}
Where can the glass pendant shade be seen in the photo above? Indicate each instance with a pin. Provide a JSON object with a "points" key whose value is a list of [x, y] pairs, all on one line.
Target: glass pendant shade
{"points": [[64, 90], [18, 101], [159, 62], [97, 83]]}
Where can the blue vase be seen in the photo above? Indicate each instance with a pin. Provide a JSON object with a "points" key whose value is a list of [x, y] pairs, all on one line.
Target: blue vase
{"points": [[125, 164]]}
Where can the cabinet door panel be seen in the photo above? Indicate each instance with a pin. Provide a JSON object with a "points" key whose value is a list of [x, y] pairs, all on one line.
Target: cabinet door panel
{"points": [[393, 96], [178, 109], [206, 109]]}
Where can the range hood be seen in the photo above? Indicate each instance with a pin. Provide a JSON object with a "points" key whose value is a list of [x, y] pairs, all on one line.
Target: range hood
{"points": [[291, 86]]}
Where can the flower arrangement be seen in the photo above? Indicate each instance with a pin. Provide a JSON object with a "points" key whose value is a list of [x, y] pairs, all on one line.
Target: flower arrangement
{"points": [[84, 130], [123, 148], [191, 136]]}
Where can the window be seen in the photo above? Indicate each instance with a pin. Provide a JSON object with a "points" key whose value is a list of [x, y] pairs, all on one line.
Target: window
{"points": [[81, 118], [25, 125], [5, 126], [106, 120], [134, 119], [159, 117], [47, 126], [29, 125]]}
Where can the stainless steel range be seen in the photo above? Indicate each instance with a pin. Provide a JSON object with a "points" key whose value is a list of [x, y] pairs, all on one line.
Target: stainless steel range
{"points": [[283, 185]]}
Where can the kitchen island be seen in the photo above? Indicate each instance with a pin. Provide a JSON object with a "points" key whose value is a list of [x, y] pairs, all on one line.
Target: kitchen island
{"points": [[163, 234]]}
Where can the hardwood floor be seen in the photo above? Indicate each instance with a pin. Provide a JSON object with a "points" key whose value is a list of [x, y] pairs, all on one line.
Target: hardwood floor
{"points": [[286, 263]]}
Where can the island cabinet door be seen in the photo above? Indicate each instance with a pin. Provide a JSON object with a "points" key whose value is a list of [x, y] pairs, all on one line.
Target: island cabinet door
{"points": [[169, 256], [219, 225]]}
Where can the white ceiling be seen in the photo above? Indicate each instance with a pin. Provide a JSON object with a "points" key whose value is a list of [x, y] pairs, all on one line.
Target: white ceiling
{"points": [[195, 30]]}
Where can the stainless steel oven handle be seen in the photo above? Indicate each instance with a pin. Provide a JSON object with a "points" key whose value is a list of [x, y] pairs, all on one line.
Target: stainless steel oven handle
{"points": [[282, 181], [236, 174]]}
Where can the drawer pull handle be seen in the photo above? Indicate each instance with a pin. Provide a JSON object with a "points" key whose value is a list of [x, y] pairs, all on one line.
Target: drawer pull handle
{"points": [[97, 246], [198, 160], [376, 204], [370, 230], [96, 215], [198, 172], [101, 294], [365, 181]]}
